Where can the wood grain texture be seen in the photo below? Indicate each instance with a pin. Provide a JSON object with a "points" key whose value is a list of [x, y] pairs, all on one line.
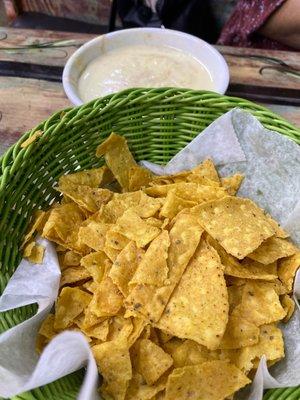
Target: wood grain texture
{"points": [[24, 103]]}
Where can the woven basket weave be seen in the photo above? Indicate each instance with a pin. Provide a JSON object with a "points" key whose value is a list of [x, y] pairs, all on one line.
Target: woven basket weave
{"points": [[156, 122]]}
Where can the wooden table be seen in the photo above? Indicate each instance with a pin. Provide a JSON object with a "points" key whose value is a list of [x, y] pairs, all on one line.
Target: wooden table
{"points": [[31, 89]]}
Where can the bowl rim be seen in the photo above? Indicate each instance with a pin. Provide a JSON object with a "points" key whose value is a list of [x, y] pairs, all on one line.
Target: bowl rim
{"points": [[72, 93]]}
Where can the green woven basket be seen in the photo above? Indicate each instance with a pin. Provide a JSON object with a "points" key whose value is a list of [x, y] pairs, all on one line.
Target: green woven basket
{"points": [[156, 122]]}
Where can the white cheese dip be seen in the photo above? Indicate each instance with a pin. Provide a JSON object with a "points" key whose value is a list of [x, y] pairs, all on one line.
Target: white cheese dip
{"points": [[142, 66]]}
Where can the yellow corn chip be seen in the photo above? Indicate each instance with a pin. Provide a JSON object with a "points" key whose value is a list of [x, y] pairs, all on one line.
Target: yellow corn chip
{"points": [[37, 225], [120, 328], [260, 304], [272, 249], [234, 296], [212, 380], [47, 328], [90, 319], [125, 266], [270, 345], [207, 170], [73, 275], [62, 226], [173, 204], [31, 139], [91, 199], [34, 252], [116, 240], [232, 183], [198, 307], [111, 253], [163, 337], [107, 299], [94, 178], [247, 269], [152, 361], [99, 331], [287, 269], [150, 300], [288, 305], [114, 364], [189, 191], [71, 302], [135, 228], [190, 353], [71, 259], [279, 232], [236, 223], [139, 390], [122, 164], [239, 333], [93, 235], [153, 268], [97, 264]]}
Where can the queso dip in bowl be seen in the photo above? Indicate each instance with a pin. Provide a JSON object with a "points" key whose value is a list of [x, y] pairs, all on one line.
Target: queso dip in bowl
{"points": [[143, 57]]}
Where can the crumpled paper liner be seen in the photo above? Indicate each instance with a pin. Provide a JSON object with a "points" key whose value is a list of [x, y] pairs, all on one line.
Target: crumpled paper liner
{"points": [[235, 142]]}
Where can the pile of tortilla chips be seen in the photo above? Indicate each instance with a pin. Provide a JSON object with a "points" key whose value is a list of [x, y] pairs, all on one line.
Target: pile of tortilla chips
{"points": [[177, 285]]}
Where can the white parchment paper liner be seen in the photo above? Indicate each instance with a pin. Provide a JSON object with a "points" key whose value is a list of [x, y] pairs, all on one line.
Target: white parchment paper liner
{"points": [[236, 142]]}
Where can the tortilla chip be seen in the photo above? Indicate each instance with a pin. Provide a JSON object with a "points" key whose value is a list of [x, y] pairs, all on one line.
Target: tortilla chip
{"points": [[278, 287], [188, 191], [122, 164], [114, 364], [97, 264], [163, 337], [272, 249], [111, 253], [90, 319], [207, 170], [107, 299], [62, 226], [250, 269], [279, 232], [125, 266], [152, 361], [235, 294], [288, 305], [116, 240], [91, 199], [93, 235], [120, 328], [71, 259], [236, 223], [287, 269], [135, 228], [34, 252], [190, 353], [139, 390], [37, 225], [212, 380], [173, 204], [203, 286], [246, 269], [150, 300], [73, 275], [121, 202], [232, 183], [47, 328], [31, 139], [239, 333], [94, 178], [153, 268], [260, 304], [99, 331], [70, 303], [270, 345]]}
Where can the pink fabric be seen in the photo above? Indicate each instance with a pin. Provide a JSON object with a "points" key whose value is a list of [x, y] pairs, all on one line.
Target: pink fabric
{"points": [[247, 18]]}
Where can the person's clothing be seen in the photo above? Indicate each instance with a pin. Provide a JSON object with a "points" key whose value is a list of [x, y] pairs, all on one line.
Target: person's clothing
{"points": [[243, 25]]}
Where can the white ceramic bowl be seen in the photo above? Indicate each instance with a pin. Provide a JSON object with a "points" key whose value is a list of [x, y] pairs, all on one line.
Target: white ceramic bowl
{"points": [[204, 52]]}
